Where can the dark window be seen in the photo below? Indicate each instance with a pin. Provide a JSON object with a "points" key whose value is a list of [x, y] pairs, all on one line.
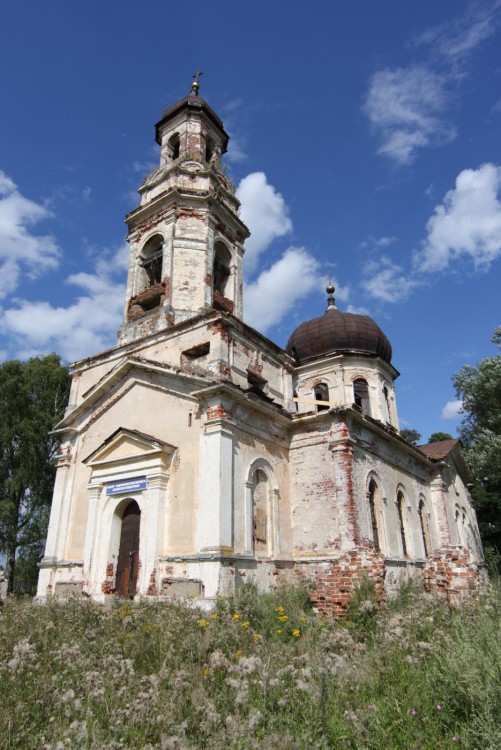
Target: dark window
{"points": [[361, 395], [151, 260], [400, 511], [174, 146], [222, 263], [321, 392], [425, 529], [372, 510]]}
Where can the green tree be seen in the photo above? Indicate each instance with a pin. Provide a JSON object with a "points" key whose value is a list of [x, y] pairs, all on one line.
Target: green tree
{"points": [[33, 395], [413, 436], [437, 437], [479, 388]]}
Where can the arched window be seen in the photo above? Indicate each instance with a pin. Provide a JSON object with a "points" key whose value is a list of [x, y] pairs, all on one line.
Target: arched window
{"points": [[151, 259], [260, 512], [402, 514], [373, 497], [173, 147], [321, 392], [425, 528], [222, 266], [386, 397], [209, 149], [361, 395]]}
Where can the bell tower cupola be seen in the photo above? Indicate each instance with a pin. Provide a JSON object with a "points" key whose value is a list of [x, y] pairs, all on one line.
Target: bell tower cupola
{"points": [[186, 237]]}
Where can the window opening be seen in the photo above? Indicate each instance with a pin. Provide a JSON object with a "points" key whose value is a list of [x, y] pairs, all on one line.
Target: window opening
{"points": [[425, 528], [387, 402], [174, 147], [151, 260], [209, 149], [361, 395], [222, 263], [260, 494], [400, 511], [321, 392], [372, 510]]}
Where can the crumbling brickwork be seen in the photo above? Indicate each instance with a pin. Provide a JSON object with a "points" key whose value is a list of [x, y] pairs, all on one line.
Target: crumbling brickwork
{"points": [[336, 582], [452, 575]]}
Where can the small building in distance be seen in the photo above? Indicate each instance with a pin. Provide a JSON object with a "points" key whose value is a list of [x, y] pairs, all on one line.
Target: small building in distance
{"points": [[197, 455]]}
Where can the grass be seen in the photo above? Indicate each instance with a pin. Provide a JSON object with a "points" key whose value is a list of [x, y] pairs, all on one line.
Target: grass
{"points": [[260, 671]]}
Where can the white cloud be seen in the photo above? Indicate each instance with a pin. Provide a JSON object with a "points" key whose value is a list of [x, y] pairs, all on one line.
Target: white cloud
{"points": [[386, 281], [21, 251], [452, 410], [264, 211], [406, 106], [458, 38], [86, 326], [276, 290], [467, 224]]}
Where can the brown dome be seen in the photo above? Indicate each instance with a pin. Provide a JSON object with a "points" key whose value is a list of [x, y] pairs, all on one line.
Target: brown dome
{"points": [[338, 332]]}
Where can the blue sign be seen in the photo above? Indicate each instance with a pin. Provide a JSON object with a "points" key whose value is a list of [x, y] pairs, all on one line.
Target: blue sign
{"points": [[126, 485]]}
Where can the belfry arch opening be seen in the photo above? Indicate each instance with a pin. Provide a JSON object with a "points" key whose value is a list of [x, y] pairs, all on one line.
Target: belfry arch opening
{"points": [[151, 260], [173, 147], [321, 393], [128, 552], [361, 395], [222, 269]]}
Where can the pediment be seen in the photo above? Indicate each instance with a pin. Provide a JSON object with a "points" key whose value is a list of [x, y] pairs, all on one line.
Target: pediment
{"points": [[130, 370], [126, 445]]}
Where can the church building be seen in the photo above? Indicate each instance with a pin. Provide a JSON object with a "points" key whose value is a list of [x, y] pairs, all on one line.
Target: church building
{"points": [[197, 455]]}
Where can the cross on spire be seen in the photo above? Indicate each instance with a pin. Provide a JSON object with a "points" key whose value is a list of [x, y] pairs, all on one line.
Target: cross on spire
{"points": [[196, 83]]}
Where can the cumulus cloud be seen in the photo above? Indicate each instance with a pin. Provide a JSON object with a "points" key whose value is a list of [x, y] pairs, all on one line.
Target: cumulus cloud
{"points": [[86, 326], [22, 251], [406, 107], [264, 211], [467, 224], [386, 281], [452, 410], [276, 290]]}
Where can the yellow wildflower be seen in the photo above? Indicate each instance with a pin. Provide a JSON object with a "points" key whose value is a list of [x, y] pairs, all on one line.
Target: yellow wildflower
{"points": [[303, 619], [280, 609], [206, 672], [256, 637], [238, 655], [236, 617], [203, 623], [279, 632], [283, 618], [214, 617], [296, 633], [245, 624]]}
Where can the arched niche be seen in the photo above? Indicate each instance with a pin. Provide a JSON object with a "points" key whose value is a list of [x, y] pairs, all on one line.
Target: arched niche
{"points": [[262, 535], [376, 514]]}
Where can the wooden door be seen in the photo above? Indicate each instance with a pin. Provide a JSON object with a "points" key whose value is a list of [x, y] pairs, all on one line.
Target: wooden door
{"points": [[128, 553]]}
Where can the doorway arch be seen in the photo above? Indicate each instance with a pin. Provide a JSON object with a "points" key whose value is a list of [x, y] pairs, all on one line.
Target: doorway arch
{"points": [[128, 552]]}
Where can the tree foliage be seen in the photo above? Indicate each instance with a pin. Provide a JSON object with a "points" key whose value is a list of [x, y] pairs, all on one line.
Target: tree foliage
{"points": [[33, 395], [413, 436], [479, 388], [437, 437]]}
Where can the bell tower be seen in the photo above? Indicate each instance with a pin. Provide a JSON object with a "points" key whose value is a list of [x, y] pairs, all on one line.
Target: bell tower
{"points": [[186, 238]]}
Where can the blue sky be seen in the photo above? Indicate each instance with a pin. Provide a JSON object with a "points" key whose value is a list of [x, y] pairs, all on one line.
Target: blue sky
{"points": [[365, 143]]}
